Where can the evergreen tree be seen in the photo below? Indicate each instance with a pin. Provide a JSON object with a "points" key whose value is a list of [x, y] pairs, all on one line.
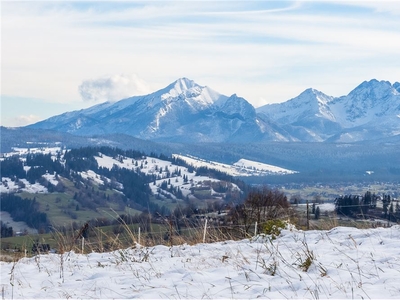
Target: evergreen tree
{"points": [[6, 231], [386, 203], [317, 213], [12, 166], [397, 211], [391, 212]]}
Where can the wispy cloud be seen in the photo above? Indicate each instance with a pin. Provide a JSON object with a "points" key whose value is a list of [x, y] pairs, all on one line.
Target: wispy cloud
{"points": [[23, 120], [386, 7], [113, 88]]}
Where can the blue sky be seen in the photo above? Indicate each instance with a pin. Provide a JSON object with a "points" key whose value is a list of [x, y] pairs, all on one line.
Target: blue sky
{"points": [[58, 56]]}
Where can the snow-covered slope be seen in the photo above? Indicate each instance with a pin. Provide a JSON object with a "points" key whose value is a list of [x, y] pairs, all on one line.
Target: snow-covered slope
{"points": [[9, 185], [342, 263], [242, 167], [181, 177]]}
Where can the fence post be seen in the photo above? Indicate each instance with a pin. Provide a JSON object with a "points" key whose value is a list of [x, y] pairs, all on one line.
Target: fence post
{"points": [[205, 231], [139, 237], [170, 232], [83, 244], [255, 229]]}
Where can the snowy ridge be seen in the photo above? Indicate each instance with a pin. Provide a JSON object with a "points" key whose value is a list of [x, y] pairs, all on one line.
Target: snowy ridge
{"points": [[24, 151], [243, 167], [341, 263], [260, 168]]}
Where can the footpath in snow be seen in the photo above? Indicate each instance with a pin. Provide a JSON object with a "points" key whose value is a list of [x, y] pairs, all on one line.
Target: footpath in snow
{"points": [[343, 263]]}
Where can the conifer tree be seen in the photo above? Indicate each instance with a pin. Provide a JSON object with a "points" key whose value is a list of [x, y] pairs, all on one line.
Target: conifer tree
{"points": [[317, 213]]}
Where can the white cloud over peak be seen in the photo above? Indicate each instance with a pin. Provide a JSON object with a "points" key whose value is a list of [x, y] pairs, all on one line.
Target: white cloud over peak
{"points": [[113, 88], [24, 120]]}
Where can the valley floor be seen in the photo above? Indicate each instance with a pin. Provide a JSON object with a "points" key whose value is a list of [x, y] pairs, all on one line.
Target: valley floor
{"points": [[340, 263]]}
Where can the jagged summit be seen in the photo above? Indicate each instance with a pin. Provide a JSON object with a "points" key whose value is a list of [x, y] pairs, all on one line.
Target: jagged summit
{"points": [[318, 95], [372, 102], [184, 89], [180, 86], [184, 83], [372, 89]]}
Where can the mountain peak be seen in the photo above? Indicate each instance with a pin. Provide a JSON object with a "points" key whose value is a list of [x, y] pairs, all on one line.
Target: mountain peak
{"points": [[370, 93], [184, 89], [378, 87], [184, 84], [181, 86], [369, 100], [310, 95], [310, 91]]}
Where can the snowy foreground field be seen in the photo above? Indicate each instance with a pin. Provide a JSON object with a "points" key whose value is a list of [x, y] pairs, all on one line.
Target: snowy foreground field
{"points": [[341, 263]]}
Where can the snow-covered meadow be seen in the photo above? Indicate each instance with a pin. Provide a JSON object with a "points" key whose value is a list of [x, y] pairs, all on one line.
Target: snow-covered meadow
{"points": [[18, 226], [9, 186], [243, 167], [341, 263]]}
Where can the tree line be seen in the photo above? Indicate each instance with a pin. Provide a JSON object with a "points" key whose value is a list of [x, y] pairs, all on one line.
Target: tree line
{"points": [[25, 210], [364, 206], [6, 231]]}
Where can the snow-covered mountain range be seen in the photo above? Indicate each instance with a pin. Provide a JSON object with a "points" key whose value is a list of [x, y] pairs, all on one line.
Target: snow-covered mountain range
{"points": [[370, 111], [187, 112]]}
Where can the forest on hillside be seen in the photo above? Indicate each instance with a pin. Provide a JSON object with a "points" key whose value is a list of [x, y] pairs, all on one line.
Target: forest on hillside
{"points": [[118, 186]]}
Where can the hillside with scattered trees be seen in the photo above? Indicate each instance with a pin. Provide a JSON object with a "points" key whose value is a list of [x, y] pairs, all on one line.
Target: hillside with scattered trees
{"points": [[86, 181]]}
